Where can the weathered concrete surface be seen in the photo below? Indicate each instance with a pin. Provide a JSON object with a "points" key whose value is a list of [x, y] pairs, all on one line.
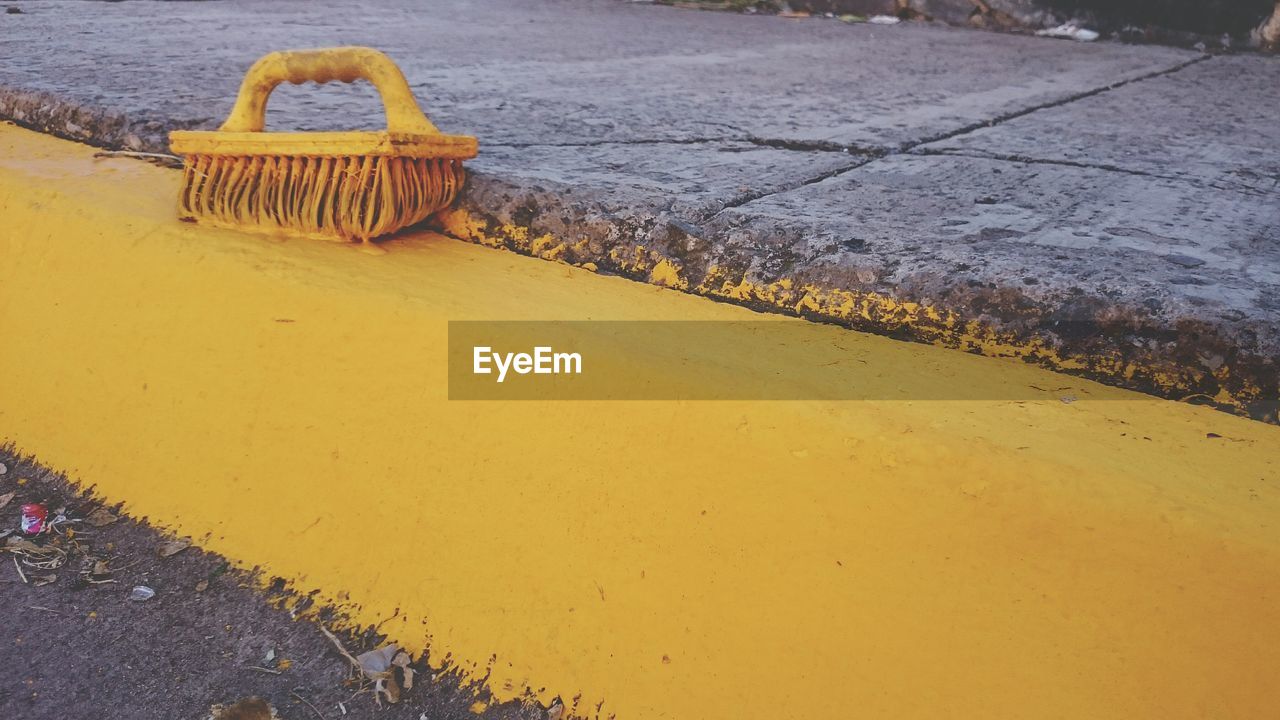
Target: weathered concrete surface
{"points": [[1212, 124], [543, 72], [790, 165], [1082, 255]]}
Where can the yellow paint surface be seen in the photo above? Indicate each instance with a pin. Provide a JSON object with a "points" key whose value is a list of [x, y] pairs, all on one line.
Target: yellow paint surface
{"points": [[285, 402]]}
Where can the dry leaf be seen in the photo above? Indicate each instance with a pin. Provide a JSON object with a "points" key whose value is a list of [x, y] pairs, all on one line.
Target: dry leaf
{"points": [[376, 666], [5, 498], [401, 660], [39, 580], [101, 568], [101, 517], [377, 662], [202, 586], [389, 687], [17, 544], [173, 547]]}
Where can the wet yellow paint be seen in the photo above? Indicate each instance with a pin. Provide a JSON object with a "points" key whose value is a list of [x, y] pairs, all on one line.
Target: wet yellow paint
{"points": [[1114, 557]]}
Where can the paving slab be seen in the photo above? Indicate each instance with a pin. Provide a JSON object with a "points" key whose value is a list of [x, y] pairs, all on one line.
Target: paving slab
{"points": [[690, 181], [1212, 123], [1187, 278], [724, 154]]}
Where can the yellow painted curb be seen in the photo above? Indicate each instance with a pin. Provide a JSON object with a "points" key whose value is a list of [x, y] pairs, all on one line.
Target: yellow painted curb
{"points": [[285, 402]]}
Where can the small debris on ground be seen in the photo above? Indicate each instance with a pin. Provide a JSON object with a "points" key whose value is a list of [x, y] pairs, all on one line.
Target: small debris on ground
{"points": [[402, 660], [101, 518], [884, 20], [141, 592], [376, 666], [42, 558], [33, 517], [173, 547], [89, 564], [1069, 31], [254, 708]]}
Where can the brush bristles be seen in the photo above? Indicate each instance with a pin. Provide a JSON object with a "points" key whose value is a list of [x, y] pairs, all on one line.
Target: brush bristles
{"points": [[352, 198]]}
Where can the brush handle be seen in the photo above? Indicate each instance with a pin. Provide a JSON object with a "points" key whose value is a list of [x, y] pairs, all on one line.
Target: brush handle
{"points": [[346, 64]]}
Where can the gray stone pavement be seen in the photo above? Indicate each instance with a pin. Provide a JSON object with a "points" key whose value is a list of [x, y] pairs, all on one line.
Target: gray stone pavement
{"points": [[1106, 209]]}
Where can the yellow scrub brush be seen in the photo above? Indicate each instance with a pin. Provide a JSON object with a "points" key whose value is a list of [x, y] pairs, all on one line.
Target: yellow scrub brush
{"points": [[336, 185]]}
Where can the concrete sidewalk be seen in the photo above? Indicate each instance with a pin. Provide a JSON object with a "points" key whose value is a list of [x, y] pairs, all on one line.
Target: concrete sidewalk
{"points": [[1104, 209]]}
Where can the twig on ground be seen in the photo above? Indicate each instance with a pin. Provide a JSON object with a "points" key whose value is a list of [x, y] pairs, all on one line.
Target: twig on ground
{"points": [[41, 607], [19, 569], [308, 704], [262, 669], [338, 644]]}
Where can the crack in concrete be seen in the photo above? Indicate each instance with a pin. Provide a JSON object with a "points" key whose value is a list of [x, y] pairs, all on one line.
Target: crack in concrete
{"points": [[787, 187], [814, 146], [1106, 167], [1001, 119], [916, 147], [603, 143], [982, 155], [825, 146]]}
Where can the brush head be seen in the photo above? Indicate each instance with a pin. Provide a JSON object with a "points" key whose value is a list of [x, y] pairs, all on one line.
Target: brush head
{"points": [[346, 197]]}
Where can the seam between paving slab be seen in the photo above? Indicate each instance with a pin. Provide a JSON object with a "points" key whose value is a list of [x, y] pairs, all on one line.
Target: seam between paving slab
{"points": [[1000, 119], [917, 147]]}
